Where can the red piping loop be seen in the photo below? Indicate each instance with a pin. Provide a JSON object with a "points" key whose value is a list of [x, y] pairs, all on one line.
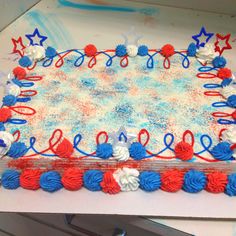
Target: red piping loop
{"points": [[188, 132], [17, 134], [28, 93], [220, 114], [60, 60], [147, 136], [166, 63], [92, 62], [206, 75], [34, 78], [32, 67], [58, 139], [124, 62], [99, 135], [30, 111], [220, 133], [212, 93]]}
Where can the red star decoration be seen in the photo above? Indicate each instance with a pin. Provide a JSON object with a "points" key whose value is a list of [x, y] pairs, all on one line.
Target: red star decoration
{"points": [[219, 38], [18, 46]]}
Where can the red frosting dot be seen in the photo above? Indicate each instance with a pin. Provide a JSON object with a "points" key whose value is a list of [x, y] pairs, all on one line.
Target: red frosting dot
{"points": [[64, 149], [216, 182], [167, 50], [90, 50], [5, 114], [29, 179], [184, 151], [234, 115], [109, 184], [72, 179], [172, 180], [224, 73], [19, 72]]}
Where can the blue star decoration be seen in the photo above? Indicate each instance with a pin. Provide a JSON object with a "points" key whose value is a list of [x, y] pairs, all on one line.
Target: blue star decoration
{"points": [[202, 33], [36, 38]]}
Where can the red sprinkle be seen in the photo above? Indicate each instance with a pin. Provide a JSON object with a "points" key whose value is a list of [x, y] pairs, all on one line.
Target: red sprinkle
{"points": [[109, 184], [19, 72], [167, 50], [29, 179], [172, 180], [216, 182], [72, 179], [234, 115], [90, 50], [183, 151], [64, 149], [5, 114], [224, 73]]}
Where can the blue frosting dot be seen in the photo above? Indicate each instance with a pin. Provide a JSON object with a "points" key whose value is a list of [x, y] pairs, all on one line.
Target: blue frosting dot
{"points": [[194, 181], [121, 50], [222, 151], [226, 82], [9, 100], [137, 151], [25, 61], [50, 181], [231, 185], [104, 150], [17, 149], [231, 101], [219, 62], [10, 179], [149, 181], [2, 128], [92, 180], [192, 49], [142, 50], [50, 52]]}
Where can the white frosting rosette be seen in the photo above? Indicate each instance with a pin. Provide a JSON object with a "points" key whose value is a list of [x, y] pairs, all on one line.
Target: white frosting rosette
{"points": [[228, 90], [8, 139], [132, 50], [13, 89], [35, 52], [127, 178], [206, 54], [229, 135], [120, 153]]}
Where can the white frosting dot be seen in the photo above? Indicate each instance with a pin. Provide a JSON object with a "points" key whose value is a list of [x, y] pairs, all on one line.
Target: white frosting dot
{"points": [[206, 54], [35, 52], [8, 139], [121, 153], [229, 135], [132, 50], [13, 89]]}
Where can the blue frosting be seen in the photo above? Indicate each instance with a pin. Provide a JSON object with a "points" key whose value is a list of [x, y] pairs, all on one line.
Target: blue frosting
{"points": [[17, 149], [50, 52], [142, 50], [231, 101], [17, 82], [50, 181], [9, 100], [2, 143], [231, 185], [104, 150], [10, 179], [192, 49], [149, 181], [92, 180], [25, 61], [121, 50], [2, 128], [137, 151], [194, 181], [222, 151], [226, 82], [219, 62]]}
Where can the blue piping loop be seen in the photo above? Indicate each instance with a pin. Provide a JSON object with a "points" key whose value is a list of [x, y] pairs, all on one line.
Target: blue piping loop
{"points": [[110, 60], [25, 99], [80, 59], [206, 147], [150, 65], [122, 135], [22, 84], [210, 86], [206, 68], [47, 62], [226, 122], [17, 121], [219, 104], [184, 60]]}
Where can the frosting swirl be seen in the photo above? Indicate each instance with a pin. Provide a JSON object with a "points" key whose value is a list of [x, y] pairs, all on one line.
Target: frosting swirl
{"points": [[13, 89], [29, 179], [7, 139], [109, 184], [229, 135], [121, 153], [132, 50], [35, 52], [222, 151], [206, 54], [216, 182], [72, 179], [231, 185]]}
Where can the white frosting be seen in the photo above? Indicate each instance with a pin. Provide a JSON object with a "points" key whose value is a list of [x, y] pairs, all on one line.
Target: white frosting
{"points": [[35, 52], [121, 153], [13, 89], [132, 50], [206, 54], [8, 140], [229, 135], [127, 178], [228, 91]]}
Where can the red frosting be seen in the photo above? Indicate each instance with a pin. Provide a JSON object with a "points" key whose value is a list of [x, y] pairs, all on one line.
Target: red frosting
{"points": [[109, 184], [90, 50], [216, 182], [29, 179], [5, 114], [72, 179], [19, 72], [234, 115], [64, 149], [167, 50], [172, 180], [184, 151], [224, 73]]}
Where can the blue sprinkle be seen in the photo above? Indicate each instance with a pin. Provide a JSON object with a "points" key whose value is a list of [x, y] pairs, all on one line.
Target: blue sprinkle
{"points": [[231, 185], [231, 101], [142, 50], [124, 110], [50, 181], [2, 128], [192, 49], [149, 181], [25, 61], [17, 149], [226, 82], [121, 50], [50, 52], [194, 181], [9, 100], [137, 151], [92, 180], [104, 150], [2, 143], [11, 179], [222, 151], [219, 62]]}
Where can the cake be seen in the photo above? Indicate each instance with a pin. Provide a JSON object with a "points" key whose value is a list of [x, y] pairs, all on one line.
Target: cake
{"points": [[120, 119]]}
